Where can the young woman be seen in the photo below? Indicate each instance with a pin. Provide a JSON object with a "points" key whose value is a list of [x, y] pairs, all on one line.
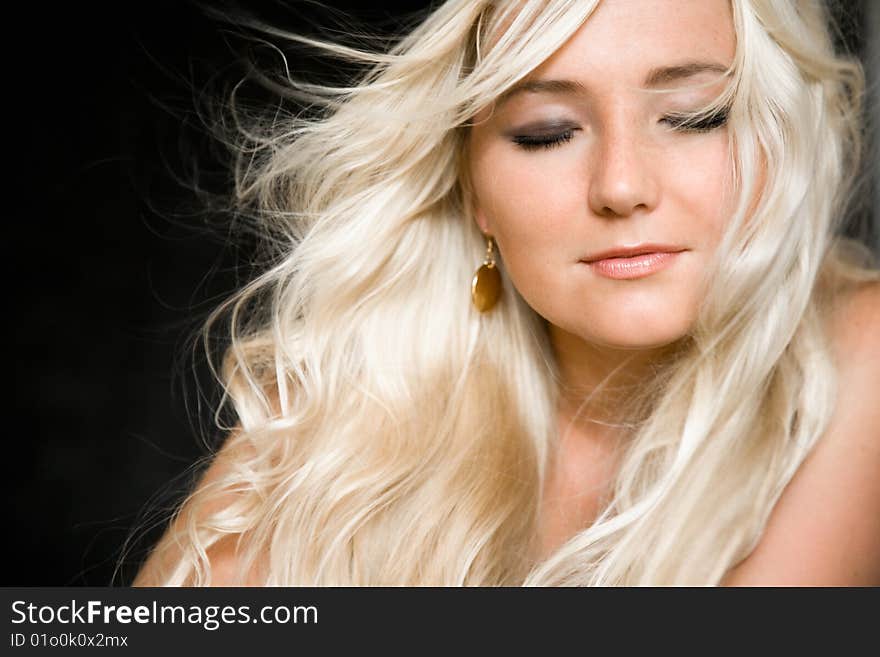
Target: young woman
{"points": [[664, 371]]}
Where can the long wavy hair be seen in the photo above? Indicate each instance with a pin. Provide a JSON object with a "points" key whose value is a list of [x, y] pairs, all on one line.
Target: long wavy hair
{"points": [[387, 433]]}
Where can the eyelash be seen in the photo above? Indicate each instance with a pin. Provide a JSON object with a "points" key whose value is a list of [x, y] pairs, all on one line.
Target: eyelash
{"points": [[683, 123], [676, 122]]}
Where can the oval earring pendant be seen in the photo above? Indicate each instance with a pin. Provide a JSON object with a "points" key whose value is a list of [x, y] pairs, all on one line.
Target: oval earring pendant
{"points": [[486, 287]]}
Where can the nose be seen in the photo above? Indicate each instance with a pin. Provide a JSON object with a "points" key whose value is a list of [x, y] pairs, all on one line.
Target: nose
{"points": [[624, 174]]}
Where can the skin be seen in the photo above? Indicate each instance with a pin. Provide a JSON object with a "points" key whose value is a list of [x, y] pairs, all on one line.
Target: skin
{"points": [[625, 177]]}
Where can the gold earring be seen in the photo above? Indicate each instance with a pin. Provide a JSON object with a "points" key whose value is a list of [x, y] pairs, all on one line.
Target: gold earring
{"points": [[486, 286]]}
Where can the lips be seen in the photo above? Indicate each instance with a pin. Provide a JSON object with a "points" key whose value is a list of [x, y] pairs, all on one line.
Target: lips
{"points": [[633, 262], [630, 251]]}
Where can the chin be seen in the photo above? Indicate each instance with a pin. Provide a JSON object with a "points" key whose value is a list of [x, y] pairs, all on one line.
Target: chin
{"points": [[636, 335], [638, 342]]}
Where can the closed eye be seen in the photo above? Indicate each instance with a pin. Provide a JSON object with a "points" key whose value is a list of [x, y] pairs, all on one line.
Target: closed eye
{"points": [[535, 142], [698, 123], [677, 122]]}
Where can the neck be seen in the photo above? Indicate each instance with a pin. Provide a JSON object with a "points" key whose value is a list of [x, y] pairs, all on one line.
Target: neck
{"points": [[595, 381]]}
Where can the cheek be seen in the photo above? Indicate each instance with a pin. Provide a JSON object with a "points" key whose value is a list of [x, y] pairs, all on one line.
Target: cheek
{"points": [[698, 191], [528, 202], [537, 207]]}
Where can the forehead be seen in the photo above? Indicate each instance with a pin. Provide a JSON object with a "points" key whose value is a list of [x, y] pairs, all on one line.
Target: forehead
{"points": [[624, 38]]}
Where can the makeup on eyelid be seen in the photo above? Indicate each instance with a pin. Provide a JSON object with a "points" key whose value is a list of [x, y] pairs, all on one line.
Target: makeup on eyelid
{"points": [[533, 135], [601, 148], [680, 122]]}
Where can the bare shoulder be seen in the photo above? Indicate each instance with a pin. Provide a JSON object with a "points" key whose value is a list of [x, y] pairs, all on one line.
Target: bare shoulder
{"points": [[222, 555], [825, 529], [856, 311]]}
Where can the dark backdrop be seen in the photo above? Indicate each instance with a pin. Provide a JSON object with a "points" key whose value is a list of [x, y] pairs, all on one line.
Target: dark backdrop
{"points": [[110, 268]]}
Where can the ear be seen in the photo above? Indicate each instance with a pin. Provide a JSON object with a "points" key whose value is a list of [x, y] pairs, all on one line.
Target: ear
{"points": [[482, 220], [471, 201]]}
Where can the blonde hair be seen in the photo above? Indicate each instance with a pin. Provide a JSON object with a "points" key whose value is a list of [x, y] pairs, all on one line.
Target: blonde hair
{"points": [[389, 434]]}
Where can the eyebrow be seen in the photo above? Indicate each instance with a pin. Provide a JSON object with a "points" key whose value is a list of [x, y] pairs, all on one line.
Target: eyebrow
{"points": [[656, 77]]}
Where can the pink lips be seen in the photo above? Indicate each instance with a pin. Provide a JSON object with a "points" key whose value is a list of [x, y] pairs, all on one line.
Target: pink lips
{"points": [[633, 262]]}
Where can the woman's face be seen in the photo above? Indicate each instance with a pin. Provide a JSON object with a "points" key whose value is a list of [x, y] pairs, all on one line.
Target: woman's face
{"points": [[584, 159]]}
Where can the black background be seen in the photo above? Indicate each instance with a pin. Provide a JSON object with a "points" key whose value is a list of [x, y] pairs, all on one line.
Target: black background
{"points": [[111, 266], [111, 269]]}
